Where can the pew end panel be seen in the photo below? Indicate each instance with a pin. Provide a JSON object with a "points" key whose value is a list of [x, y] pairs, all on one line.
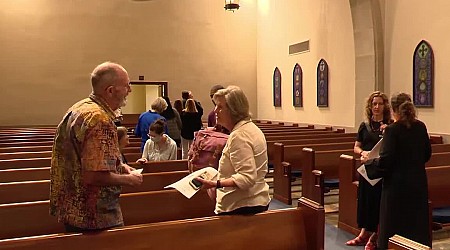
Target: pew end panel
{"points": [[282, 176], [398, 242], [347, 185], [313, 207]]}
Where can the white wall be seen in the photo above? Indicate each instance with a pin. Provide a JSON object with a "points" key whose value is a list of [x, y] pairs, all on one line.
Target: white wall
{"points": [[49, 47], [407, 23], [328, 26]]}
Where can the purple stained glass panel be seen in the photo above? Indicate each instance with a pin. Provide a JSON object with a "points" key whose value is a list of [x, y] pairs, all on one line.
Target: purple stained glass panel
{"points": [[297, 86], [276, 88], [322, 83], [423, 75]]}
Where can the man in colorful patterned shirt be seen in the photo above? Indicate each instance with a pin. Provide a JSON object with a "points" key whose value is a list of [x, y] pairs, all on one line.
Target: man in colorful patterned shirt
{"points": [[86, 171]]}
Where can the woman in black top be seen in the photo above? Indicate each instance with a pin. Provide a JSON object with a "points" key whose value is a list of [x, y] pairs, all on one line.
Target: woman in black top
{"points": [[173, 122], [377, 116], [404, 199], [192, 121]]}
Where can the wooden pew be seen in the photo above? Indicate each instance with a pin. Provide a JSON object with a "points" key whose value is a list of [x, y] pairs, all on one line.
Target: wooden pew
{"points": [[317, 135], [12, 141], [348, 186], [335, 138], [217, 232], [133, 143], [32, 218], [295, 156], [25, 155], [26, 149], [25, 163], [24, 174], [302, 228], [43, 173], [398, 242], [325, 161], [15, 192], [45, 162]]}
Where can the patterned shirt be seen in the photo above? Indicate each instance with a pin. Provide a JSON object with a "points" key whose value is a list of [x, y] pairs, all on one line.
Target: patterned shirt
{"points": [[85, 140]]}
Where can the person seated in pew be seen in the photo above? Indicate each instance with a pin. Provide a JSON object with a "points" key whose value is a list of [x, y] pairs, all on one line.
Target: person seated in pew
{"points": [[377, 117], [124, 140], [86, 170], [404, 198], [160, 147], [240, 187]]}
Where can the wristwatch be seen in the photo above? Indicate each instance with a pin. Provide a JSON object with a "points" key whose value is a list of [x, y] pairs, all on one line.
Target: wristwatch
{"points": [[218, 184]]}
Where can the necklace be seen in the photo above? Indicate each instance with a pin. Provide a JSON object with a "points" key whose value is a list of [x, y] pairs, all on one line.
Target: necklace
{"points": [[375, 125]]}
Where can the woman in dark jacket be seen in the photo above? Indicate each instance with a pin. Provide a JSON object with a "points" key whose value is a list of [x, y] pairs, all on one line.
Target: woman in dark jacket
{"points": [[173, 122], [192, 121], [404, 199]]}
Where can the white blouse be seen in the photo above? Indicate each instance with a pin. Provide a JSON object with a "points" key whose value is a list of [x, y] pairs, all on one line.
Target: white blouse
{"points": [[152, 152], [244, 159]]}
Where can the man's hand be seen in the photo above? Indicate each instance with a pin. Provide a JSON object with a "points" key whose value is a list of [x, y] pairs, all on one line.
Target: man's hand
{"points": [[135, 179], [127, 169]]}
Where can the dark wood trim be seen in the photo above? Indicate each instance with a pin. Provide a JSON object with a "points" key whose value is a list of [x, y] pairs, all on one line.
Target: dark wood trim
{"points": [[165, 85]]}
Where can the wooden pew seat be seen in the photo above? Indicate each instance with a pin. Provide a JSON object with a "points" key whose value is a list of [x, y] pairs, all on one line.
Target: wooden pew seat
{"points": [[43, 173], [260, 231], [15, 192], [32, 218]]}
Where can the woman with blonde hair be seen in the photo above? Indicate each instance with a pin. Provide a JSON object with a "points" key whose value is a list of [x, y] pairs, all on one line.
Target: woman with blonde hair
{"points": [[192, 121], [240, 187]]}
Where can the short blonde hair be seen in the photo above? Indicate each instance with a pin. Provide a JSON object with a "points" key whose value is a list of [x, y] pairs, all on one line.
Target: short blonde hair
{"points": [[159, 105], [236, 102]]}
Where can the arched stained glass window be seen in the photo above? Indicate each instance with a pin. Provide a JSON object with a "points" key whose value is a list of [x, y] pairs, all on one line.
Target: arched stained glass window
{"points": [[322, 83], [423, 75], [276, 87], [297, 86]]}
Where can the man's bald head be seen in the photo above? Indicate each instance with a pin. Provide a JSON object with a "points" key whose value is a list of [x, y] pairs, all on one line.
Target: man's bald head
{"points": [[105, 75]]}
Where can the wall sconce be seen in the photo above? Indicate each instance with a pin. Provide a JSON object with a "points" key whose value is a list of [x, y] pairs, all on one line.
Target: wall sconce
{"points": [[231, 5]]}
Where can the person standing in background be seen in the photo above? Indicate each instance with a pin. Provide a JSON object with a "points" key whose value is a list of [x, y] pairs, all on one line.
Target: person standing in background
{"points": [[173, 121], [148, 118], [192, 121], [212, 115], [377, 117], [404, 197], [185, 95]]}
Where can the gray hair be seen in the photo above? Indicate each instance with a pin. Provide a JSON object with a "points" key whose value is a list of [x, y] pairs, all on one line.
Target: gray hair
{"points": [[236, 102], [159, 105], [104, 75]]}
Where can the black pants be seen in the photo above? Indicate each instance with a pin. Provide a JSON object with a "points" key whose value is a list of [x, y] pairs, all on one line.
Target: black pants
{"points": [[73, 229], [247, 210]]}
